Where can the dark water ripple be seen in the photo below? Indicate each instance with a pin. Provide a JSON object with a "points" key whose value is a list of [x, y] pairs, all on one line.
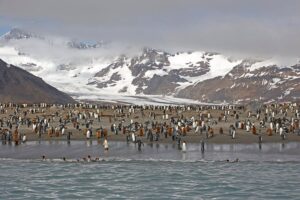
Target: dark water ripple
{"points": [[154, 173], [148, 180]]}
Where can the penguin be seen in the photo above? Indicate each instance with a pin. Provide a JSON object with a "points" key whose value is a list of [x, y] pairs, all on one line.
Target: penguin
{"points": [[133, 137], [233, 134], [140, 143], [202, 146], [24, 138], [183, 147], [105, 145], [88, 134]]}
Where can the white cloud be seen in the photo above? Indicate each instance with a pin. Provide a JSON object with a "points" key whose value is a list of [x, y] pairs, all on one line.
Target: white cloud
{"points": [[240, 27]]}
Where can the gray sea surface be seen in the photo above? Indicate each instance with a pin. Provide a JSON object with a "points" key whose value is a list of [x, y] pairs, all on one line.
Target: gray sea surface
{"points": [[159, 171]]}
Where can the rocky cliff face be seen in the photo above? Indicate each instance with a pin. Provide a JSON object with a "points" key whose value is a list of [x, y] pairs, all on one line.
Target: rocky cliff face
{"points": [[156, 72], [19, 86], [244, 84], [206, 77]]}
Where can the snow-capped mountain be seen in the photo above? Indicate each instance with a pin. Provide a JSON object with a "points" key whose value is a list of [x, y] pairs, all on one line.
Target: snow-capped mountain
{"points": [[18, 34], [88, 71], [83, 45], [157, 72], [249, 81]]}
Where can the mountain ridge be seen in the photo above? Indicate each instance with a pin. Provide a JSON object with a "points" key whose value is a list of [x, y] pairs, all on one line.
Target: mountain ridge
{"points": [[197, 75], [19, 86]]}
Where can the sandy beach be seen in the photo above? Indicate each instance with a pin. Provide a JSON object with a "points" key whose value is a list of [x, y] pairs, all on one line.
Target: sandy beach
{"points": [[106, 116]]}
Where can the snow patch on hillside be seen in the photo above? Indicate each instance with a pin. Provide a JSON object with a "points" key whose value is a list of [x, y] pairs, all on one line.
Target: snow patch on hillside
{"points": [[184, 60], [220, 66], [275, 61]]}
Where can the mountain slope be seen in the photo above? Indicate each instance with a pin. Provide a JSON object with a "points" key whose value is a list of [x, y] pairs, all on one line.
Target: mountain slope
{"points": [[243, 84], [86, 72], [155, 72], [19, 86]]}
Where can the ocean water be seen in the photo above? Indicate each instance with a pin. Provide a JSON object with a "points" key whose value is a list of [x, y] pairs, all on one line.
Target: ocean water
{"points": [[157, 172]]}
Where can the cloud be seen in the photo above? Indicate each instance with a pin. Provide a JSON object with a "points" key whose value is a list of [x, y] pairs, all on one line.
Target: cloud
{"points": [[257, 27]]}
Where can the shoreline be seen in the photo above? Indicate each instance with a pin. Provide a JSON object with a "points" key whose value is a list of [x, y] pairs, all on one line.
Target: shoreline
{"points": [[192, 124], [120, 150], [194, 139]]}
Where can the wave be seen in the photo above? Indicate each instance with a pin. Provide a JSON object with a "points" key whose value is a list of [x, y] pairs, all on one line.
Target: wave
{"points": [[118, 159], [113, 159]]}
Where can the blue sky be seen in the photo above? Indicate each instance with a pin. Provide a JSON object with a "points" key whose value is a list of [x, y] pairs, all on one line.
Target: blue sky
{"points": [[4, 29]]}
